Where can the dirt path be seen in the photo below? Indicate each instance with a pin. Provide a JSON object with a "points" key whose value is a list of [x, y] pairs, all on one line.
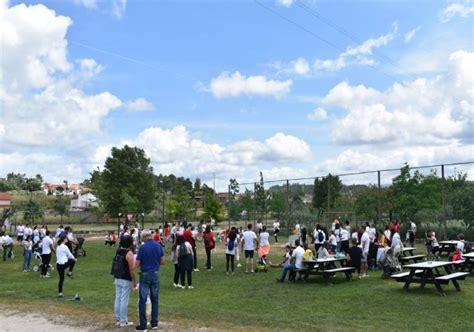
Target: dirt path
{"points": [[18, 321]]}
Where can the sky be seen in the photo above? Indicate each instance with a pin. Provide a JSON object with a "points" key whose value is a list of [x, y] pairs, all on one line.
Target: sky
{"points": [[226, 89]]}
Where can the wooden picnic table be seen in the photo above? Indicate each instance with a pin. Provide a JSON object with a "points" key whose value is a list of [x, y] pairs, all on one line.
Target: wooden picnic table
{"points": [[321, 266], [448, 246], [468, 260], [408, 250], [428, 273]]}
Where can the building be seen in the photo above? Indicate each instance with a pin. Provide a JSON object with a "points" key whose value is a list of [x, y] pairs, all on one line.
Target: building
{"points": [[5, 200], [83, 202], [67, 189]]}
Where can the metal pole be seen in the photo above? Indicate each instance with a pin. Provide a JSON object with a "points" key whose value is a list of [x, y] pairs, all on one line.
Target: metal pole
{"points": [[163, 210], [288, 207], [443, 193], [378, 196], [255, 201], [329, 194], [229, 202]]}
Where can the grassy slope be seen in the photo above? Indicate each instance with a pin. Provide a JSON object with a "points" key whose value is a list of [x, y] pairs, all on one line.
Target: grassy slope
{"points": [[251, 302]]}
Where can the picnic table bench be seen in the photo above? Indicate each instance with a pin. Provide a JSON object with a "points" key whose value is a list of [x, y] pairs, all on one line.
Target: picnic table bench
{"points": [[414, 258], [320, 267], [469, 261], [428, 273], [408, 250], [447, 246]]}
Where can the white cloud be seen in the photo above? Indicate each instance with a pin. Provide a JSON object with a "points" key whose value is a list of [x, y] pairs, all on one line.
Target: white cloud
{"points": [[301, 66], [359, 55], [285, 3], [41, 95], [416, 113], [456, 9], [139, 105], [234, 85], [410, 34], [118, 8], [318, 114], [90, 4]]}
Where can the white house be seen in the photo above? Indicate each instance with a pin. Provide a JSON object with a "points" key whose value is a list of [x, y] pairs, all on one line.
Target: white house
{"points": [[84, 201]]}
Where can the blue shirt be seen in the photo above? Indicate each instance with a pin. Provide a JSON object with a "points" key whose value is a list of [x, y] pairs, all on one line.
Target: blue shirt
{"points": [[149, 255]]}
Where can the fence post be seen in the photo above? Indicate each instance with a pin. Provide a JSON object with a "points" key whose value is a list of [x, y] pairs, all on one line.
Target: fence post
{"points": [[378, 197], [443, 197], [255, 201], [288, 207], [229, 202]]}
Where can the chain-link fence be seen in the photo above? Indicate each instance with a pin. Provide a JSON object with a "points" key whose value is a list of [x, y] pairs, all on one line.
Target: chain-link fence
{"points": [[435, 197]]}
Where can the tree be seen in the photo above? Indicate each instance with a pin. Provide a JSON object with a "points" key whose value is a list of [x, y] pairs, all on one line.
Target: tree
{"points": [[233, 207], [60, 206], [277, 204], [462, 203], [213, 208], [32, 211], [327, 187], [126, 184], [260, 197]]}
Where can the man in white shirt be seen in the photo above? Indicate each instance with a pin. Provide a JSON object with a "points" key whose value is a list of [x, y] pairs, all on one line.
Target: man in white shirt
{"points": [[319, 237], [259, 226], [297, 256], [365, 245], [46, 250], [250, 242], [7, 244], [20, 232], [345, 235]]}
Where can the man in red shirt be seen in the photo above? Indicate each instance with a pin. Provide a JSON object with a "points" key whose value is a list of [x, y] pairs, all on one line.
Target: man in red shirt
{"points": [[189, 236]]}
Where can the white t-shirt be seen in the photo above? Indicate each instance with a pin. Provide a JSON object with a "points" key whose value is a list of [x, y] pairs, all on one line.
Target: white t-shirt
{"points": [[413, 227], [387, 234], [316, 236], [396, 241], [231, 252], [345, 235], [372, 234], [259, 225], [28, 231], [6, 240], [45, 247], [63, 254], [20, 230], [276, 225], [264, 239], [365, 242], [248, 237], [460, 246], [332, 240], [298, 255]]}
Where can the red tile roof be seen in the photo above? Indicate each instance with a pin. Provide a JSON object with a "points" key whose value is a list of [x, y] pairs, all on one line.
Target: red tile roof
{"points": [[4, 196]]}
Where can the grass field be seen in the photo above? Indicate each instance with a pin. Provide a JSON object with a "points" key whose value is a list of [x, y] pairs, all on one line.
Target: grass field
{"points": [[245, 301]]}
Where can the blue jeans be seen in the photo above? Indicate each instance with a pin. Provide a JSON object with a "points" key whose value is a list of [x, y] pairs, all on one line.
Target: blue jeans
{"points": [[26, 259], [122, 295], [286, 268], [149, 285]]}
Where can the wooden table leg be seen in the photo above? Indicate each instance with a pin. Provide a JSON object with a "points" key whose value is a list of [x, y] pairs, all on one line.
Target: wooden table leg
{"points": [[409, 278]]}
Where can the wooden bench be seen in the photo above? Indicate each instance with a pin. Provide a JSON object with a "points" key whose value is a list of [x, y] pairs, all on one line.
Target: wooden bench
{"points": [[414, 258], [453, 277], [401, 276], [347, 271]]}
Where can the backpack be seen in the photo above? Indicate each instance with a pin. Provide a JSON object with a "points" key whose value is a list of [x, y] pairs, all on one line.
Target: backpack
{"points": [[467, 247], [183, 250], [320, 236], [231, 245], [119, 265], [208, 241]]}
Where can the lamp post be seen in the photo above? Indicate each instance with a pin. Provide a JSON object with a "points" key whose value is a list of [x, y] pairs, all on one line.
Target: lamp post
{"points": [[118, 224]]}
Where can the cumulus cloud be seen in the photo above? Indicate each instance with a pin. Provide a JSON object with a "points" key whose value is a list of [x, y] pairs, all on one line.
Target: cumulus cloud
{"points": [[118, 8], [41, 95], [318, 114], [419, 112], [463, 10], [234, 85], [359, 55], [139, 105], [410, 34]]}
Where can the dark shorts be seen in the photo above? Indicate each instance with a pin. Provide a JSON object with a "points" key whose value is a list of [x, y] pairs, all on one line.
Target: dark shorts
{"points": [[19, 238], [249, 253]]}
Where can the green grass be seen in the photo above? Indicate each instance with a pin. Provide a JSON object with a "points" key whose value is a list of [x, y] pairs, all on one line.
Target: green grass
{"points": [[250, 302]]}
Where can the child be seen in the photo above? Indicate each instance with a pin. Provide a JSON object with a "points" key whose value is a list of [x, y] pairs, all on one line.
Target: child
{"points": [[354, 256], [308, 253], [333, 241], [286, 258], [457, 256]]}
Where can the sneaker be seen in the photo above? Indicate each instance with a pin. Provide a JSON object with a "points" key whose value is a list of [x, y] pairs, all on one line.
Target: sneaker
{"points": [[175, 285], [252, 271], [47, 276], [196, 270], [117, 323], [25, 270], [190, 287], [60, 295], [154, 327], [69, 274], [227, 273], [208, 270], [181, 286], [126, 324], [140, 328], [239, 265]]}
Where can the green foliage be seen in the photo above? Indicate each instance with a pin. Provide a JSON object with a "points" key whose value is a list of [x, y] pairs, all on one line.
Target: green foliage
{"points": [[33, 211], [126, 184], [234, 209], [213, 208], [21, 182], [61, 206], [461, 201], [328, 185], [277, 204], [260, 196]]}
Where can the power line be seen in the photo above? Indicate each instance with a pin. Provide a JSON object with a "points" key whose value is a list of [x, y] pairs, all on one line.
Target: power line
{"points": [[328, 42]]}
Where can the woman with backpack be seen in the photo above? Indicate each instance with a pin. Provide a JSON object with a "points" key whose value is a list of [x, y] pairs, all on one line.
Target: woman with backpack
{"points": [[184, 252], [231, 249], [209, 244], [124, 274]]}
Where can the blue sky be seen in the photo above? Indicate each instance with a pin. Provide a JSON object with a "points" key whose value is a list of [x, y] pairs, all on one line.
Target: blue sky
{"points": [[228, 87]]}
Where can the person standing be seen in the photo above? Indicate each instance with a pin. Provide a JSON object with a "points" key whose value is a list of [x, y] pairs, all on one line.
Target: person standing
{"points": [[189, 236], [27, 250], [46, 250], [124, 281], [149, 260], [230, 250], [249, 240], [64, 259], [365, 246], [20, 232], [184, 252], [319, 237], [276, 229], [264, 248], [209, 244]]}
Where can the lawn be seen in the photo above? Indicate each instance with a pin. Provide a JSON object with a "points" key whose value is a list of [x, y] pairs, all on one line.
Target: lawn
{"points": [[246, 301]]}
